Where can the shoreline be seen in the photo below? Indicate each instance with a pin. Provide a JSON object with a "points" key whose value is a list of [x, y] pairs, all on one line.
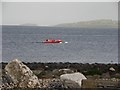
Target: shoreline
{"points": [[86, 69], [49, 74]]}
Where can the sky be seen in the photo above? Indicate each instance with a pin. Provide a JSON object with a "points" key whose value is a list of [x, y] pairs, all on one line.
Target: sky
{"points": [[53, 13]]}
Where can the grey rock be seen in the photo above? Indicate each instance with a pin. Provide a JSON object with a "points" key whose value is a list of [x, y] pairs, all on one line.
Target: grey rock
{"points": [[21, 75]]}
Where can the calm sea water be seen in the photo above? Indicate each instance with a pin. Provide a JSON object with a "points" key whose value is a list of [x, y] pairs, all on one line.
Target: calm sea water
{"points": [[84, 45]]}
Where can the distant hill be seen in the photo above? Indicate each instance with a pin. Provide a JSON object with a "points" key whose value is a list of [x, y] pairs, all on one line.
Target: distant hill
{"points": [[28, 24], [103, 23]]}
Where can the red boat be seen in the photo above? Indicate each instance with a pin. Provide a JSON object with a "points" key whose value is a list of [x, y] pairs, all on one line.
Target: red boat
{"points": [[52, 41]]}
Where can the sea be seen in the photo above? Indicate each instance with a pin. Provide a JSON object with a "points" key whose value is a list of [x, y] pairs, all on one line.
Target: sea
{"points": [[85, 45]]}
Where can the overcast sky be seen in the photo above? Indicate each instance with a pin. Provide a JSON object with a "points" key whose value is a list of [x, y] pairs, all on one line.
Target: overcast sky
{"points": [[52, 13]]}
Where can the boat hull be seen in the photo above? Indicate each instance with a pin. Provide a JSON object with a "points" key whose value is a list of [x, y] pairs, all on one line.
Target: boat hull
{"points": [[53, 41]]}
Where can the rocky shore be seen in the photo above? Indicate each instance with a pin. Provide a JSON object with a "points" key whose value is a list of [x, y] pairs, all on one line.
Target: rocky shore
{"points": [[17, 74]]}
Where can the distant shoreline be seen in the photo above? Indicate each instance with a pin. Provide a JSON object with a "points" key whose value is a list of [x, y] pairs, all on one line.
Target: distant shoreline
{"points": [[59, 27], [100, 23]]}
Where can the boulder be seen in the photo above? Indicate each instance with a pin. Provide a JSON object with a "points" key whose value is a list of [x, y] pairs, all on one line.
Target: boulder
{"points": [[112, 69], [21, 75], [73, 80]]}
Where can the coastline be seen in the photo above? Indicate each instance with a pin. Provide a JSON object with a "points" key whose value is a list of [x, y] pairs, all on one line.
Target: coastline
{"points": [[49, 74]]}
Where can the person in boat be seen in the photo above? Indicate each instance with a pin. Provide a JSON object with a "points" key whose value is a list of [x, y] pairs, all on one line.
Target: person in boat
{"points": [[46, 39]]}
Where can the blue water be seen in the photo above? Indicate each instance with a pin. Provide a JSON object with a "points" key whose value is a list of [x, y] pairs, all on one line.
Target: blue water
{"points": [[84, 45]]}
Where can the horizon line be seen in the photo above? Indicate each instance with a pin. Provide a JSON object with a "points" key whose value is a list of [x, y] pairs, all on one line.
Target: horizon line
{"points": [[34, 24]]}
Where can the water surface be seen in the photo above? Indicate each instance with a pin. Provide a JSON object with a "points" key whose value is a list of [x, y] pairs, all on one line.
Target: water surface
{"points": [[84, 45]]}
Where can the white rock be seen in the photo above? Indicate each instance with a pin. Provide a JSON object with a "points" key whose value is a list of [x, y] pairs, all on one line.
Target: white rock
{"points": [[111, 69], [74, 77]]}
